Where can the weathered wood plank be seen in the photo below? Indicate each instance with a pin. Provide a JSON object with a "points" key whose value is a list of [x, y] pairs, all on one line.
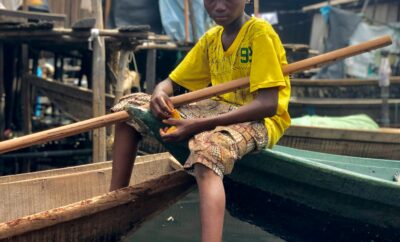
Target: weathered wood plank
{"points": [[33, 15]]}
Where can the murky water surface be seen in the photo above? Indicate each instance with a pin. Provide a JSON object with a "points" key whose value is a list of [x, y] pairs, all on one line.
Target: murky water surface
{"points": [[254, 216]]}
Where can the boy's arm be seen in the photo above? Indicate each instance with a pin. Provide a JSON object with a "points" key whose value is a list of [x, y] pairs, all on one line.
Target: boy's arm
{"points": [[264, 105]]}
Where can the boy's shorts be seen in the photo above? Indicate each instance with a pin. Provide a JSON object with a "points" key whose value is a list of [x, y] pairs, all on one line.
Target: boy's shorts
{"points": [[217, 149]]}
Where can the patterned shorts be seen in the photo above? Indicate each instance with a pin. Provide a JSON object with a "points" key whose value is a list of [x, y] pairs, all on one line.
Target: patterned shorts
{"points": [[217, 149]]}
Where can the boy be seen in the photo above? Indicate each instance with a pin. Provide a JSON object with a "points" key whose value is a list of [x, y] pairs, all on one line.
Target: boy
{"points": [[223, 129]]}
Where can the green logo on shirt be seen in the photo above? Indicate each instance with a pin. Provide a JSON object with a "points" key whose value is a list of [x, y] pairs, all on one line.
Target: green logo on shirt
{"points": [[245, 54]]}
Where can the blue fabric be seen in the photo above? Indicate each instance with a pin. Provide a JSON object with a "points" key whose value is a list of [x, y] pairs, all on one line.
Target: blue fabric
{"points": [[173, 18], [325, 12]]}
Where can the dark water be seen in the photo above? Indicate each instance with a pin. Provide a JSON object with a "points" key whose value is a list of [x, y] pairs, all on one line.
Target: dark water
{"points": [[181, 223], [252, 215]]}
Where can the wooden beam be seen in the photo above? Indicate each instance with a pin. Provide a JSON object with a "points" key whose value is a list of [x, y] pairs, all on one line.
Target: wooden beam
{"points": [[323, 4], [33, 15]]}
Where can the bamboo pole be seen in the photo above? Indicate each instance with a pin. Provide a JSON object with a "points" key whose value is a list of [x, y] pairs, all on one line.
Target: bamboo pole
{"points": [[122, 116]]}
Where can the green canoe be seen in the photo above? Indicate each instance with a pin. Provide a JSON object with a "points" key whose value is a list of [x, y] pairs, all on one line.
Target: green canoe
{"points": [[350, 187]]}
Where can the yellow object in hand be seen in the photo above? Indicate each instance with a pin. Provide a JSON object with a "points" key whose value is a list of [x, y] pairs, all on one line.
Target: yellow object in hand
{"points": [[175, 115]]}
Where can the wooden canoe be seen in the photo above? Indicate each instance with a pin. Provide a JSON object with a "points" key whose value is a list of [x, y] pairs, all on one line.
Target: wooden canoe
{"points": [[342, 88], [72, 204], [357, 188], [383, 143], [342, 107]]}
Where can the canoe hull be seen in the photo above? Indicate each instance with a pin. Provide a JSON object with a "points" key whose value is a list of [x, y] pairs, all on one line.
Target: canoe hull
{"points": [[381, 144], [72, 204], [318, 187]]}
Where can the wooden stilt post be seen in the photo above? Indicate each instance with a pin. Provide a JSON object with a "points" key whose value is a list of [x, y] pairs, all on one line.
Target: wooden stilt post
{"points": [[256, 8], [98, 78], [151, 70], [186, 14], [25, 90], [193, 22]]}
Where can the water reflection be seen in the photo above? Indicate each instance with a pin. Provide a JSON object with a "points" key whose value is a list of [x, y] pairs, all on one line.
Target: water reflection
{"points": [[253, 215], [181, 223]]}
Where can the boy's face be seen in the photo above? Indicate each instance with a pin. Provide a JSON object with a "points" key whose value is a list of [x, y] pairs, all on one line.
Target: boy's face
{"points": [[224, 12]]}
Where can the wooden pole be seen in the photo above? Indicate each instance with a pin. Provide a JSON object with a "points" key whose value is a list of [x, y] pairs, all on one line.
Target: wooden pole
{"points": [[193, 22], [151, 64], [107, 10], [186, 14], [98, 80], [25, 5], [122, 116], [2, 92], [256, 8]]}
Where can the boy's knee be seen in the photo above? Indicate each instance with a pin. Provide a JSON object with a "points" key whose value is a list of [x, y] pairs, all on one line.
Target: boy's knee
{"points": [[202, 172]]}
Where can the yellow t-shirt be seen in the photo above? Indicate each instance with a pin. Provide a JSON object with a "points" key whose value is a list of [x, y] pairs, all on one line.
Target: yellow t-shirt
{"points": [[257, 52]]}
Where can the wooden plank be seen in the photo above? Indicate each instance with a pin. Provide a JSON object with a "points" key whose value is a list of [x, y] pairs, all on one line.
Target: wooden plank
{"points": [[88, 167], [341, 101], [111, 214], [378, 136], [340, 82], [47, 192], [323, 4], [342, 107], [33, 15]]}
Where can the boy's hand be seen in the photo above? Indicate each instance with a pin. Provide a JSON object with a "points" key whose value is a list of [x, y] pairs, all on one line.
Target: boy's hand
{"points": [[161, 105], [185, 128]]}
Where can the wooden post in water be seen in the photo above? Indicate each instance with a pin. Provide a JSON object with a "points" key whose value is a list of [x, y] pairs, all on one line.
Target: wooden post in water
{"points": [[384, 83], [98, 79]]}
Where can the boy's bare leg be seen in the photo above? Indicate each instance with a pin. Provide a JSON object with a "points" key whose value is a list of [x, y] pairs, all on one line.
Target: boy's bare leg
{"points": [[124, 152], [212, 203]]}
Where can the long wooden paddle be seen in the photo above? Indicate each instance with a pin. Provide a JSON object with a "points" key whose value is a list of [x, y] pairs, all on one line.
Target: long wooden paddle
{"points": [[84, 126]]}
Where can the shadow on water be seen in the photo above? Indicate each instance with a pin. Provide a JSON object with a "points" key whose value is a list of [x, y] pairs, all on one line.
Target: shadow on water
{"points": [[294, 222]]}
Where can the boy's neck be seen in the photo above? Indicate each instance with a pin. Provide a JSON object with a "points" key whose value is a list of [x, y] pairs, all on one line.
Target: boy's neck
{"points": [[235, 26]]}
